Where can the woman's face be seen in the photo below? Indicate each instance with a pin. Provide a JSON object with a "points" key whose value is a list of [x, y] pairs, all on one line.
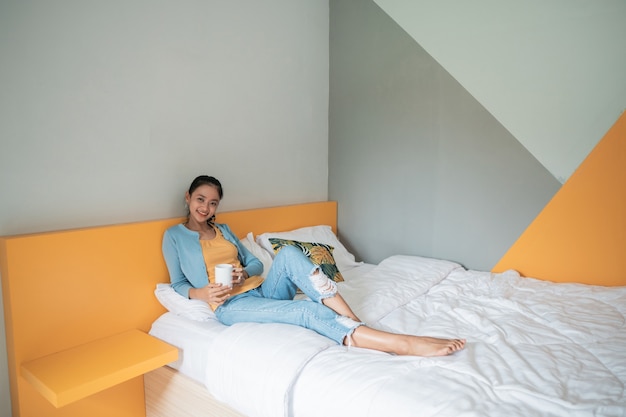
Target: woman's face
{"points": [[202, 203]]}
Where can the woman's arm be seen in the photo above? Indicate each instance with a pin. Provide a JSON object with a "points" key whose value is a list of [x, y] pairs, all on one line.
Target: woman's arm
{"points": [[170, 253]]}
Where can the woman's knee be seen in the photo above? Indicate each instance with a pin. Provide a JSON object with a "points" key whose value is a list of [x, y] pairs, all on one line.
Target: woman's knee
{"points": [[326, 287], [291, 259], [289, 253]]}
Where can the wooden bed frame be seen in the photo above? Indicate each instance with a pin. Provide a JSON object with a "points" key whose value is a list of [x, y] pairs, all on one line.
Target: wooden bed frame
{"points": [[172, 394], [67, 288]]}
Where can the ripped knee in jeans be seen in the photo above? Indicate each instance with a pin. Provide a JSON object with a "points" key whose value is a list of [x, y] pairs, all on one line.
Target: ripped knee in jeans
{"points": [[324, 285]]}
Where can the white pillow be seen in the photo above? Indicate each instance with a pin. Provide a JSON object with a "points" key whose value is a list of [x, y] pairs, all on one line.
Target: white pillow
{"points": [[313, 234], [264, 256], [181, 306]]}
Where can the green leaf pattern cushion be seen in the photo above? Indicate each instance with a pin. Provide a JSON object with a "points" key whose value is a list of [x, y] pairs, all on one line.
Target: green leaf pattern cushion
{"points": [[319, 253]]}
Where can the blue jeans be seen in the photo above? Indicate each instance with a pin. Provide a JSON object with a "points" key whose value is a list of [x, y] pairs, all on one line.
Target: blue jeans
{"points": [[273, 301]]}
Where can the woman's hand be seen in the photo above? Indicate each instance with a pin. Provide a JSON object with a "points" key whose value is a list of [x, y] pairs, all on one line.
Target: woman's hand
{"points": [[239, 276], [214, 294]]}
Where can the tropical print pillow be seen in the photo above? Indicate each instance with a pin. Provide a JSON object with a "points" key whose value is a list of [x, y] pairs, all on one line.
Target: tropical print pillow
{"points": [[319, 253]]}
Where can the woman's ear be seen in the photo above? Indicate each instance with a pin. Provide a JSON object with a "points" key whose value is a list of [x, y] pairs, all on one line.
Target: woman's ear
{"points": [[187, 198]]}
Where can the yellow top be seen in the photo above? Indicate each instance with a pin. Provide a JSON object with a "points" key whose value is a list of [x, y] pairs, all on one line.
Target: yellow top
{"points": [[220, 251]]}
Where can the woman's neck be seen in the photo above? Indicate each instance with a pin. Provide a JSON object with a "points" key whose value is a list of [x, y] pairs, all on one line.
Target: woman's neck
{"points": [[197, 227], [205, 230]]}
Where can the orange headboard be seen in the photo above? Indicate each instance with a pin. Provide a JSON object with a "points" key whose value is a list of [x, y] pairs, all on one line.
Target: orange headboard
{"points": [[65, 288]]}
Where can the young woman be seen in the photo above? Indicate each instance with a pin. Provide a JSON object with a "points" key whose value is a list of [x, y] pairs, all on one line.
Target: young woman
{"points": [[193, 248]]}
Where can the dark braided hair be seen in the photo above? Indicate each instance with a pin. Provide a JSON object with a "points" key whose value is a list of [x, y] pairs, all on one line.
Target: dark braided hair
{"points": [[206, 180]]}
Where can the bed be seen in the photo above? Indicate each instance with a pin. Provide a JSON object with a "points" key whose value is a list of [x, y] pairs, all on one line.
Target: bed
{"points": [[533, 347]]}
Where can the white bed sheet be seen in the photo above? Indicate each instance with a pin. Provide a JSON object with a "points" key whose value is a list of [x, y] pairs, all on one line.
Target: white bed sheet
{"points": [[534, 348]]}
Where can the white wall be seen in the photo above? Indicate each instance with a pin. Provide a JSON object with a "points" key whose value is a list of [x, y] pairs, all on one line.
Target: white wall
{"points": [[109, 109], [552, 72]]}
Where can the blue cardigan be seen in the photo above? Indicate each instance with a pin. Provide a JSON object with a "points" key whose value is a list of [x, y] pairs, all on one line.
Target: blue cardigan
{"points": [[185, 263]]}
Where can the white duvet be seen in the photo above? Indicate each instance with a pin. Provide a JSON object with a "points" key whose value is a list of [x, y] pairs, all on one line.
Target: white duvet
{"points": [[533, 349]]}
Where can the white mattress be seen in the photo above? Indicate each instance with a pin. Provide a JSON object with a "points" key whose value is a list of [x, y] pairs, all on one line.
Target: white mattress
{"points": [[534, 348], [192, 338]]}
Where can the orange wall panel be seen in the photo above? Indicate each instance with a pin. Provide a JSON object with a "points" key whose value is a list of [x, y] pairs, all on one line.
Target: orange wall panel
{"points": [[65, 288], [580, 236]]}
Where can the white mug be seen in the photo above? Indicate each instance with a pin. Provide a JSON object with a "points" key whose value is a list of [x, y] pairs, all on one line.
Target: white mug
{"points": [[224, 274]]}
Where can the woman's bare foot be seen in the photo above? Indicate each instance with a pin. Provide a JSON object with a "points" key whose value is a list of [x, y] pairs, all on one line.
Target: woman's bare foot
{"points": [[401, 344], [431, 346]]}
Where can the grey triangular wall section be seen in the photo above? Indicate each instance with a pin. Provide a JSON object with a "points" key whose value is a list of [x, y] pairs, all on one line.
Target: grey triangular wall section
{"points": [[417, 164], [550, 72]]}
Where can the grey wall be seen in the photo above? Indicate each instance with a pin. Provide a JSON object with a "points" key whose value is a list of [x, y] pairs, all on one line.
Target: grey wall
{"points": [[552, 72], [417, 164], [109, 109]]}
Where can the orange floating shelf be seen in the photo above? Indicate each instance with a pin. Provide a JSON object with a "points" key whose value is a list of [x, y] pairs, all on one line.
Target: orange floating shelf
{"points": [[73, 374]]}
